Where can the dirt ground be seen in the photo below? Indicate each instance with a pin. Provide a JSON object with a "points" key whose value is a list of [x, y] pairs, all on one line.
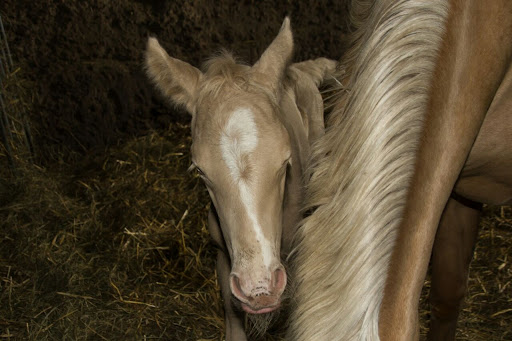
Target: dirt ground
{"points": [[103, 234]]}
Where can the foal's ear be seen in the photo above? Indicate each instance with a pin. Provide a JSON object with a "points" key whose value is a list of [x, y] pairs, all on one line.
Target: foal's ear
{"points": [[176, 79], [317, 69], [276, 57]]}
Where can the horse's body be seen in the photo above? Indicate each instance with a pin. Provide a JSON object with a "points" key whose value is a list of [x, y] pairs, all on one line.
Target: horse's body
{"points": [[485, 178], [251, 131], [466, 147], [427, 110]]}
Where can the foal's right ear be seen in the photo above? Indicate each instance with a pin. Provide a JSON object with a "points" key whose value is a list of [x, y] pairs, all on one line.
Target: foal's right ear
{"points": [[277, 56], [177, 80]]}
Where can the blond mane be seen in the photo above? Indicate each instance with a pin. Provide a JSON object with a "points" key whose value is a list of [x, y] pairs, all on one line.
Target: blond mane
{"points": [[361, 168]]}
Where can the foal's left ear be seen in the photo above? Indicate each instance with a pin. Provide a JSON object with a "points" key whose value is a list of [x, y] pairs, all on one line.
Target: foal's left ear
{"points": [[277, 56], [177, 80]]}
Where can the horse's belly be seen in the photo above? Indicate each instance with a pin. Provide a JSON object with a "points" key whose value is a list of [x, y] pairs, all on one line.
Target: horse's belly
{"points": [[485, 190], [487, 174]]}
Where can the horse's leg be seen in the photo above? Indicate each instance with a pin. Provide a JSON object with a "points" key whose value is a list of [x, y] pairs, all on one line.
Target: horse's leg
{"points": [[451, 255], [234, 320], [473, 58]]}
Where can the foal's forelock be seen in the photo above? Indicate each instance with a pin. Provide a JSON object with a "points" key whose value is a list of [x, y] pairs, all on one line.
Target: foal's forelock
{"points": [[224, 75]]}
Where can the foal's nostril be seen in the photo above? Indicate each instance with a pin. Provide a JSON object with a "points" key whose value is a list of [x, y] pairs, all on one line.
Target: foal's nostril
{"points": [[279, 280], [271, 287], [236, 288]]}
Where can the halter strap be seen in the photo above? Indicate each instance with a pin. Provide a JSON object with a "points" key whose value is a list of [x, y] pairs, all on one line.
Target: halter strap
{"points": [[466, 202]]}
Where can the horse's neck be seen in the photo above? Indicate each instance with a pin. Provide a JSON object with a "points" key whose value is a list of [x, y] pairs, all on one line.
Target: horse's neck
{"points": [[360, 174], [297, 129]]}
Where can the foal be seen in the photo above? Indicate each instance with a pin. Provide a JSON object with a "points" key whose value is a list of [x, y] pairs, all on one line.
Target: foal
{"points": [[251, 131]]}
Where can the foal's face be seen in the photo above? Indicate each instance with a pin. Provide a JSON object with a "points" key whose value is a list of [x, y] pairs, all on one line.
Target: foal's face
{"points": [[242, 152]]}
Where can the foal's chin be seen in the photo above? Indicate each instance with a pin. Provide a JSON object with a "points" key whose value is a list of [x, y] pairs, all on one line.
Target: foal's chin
{"points": [[259, 321], [260, 311], [257, 309], [259, 324]]}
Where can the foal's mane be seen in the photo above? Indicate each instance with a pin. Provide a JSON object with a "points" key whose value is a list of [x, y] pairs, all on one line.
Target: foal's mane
{"points": [[361, 168]]}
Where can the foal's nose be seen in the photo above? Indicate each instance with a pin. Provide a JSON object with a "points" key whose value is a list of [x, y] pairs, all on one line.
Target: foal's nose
{"points": [[259, 295]]}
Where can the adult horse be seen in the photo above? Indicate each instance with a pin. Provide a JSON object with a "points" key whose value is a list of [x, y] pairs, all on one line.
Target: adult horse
{"points": [[425, 110], [251, 130]]}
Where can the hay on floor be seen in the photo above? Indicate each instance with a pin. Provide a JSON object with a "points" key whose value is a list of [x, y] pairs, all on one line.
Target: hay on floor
{"points": [[115, 247]]}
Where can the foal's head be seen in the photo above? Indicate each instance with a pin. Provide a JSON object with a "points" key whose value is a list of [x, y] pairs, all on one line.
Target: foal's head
{"points": [[241, 150]]}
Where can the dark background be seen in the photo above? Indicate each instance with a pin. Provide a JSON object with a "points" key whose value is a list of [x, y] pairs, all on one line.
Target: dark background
{"points": [[84, 58]]}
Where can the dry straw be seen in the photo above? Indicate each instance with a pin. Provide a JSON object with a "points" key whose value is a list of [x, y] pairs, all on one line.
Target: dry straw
{"points": [[116, 247]]}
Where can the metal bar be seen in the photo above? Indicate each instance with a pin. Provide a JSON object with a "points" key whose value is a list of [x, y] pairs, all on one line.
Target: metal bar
{"points": [[5, 131], [2, 69], [6, 43], [5, 117], [17, 111], [4, 57]]}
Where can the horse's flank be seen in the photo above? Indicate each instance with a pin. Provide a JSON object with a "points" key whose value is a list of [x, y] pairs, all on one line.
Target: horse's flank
{"points": [[473, 62], [366, 156]]}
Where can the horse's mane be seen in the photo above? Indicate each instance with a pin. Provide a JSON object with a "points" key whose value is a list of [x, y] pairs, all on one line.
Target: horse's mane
{"points": [[361, 168]]}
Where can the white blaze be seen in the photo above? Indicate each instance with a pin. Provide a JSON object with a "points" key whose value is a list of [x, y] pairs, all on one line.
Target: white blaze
{"points": [[239, 138]]}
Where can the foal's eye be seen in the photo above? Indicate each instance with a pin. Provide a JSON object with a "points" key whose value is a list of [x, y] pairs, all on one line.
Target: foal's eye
{"points": [[199, 172]]}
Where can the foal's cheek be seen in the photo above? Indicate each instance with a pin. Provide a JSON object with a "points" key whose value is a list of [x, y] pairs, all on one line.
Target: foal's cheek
{"points": [[212, 197], [226, 234], [282, 186]]}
